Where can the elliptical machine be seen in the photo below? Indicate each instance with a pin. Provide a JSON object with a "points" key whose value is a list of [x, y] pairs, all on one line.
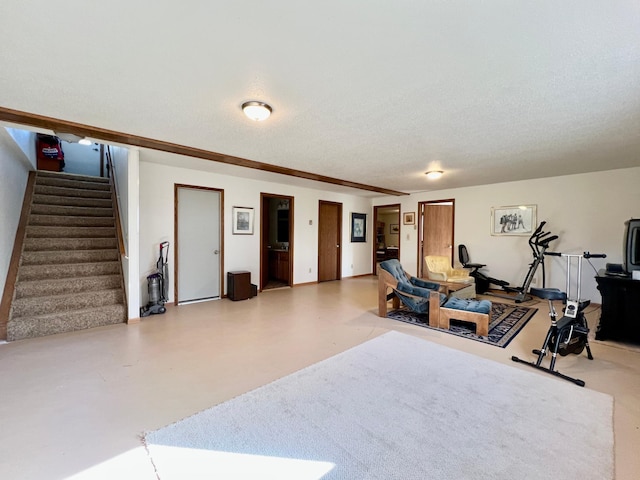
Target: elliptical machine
{"points": [[570, 333], [538, 242], [158, 284]]}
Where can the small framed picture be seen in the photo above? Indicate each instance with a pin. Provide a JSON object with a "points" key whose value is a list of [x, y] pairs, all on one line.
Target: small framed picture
{"points": [[513, 220], [358, 227], [242, 221], [409, 218], [394, 228]]}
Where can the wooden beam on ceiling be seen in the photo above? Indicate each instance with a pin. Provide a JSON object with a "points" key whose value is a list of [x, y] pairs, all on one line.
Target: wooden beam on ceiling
{"points": [[58, 125]]}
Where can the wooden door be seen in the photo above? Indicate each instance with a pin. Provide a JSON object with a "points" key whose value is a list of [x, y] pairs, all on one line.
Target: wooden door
{"points": [[329, 241], [436, 223]]}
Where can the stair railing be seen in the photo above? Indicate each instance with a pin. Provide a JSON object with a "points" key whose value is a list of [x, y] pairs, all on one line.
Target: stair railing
{"points": [[115, 198], [14, 264]]}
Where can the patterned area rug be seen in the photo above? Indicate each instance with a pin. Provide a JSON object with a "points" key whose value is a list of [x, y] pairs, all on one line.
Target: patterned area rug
{"points": [[506, 322]]}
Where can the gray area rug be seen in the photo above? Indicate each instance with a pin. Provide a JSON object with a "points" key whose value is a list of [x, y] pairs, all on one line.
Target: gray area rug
{"points": [[396, 407]]}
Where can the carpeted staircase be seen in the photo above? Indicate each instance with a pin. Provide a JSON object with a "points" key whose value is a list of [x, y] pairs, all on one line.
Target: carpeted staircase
{"points": [[70, 276]]}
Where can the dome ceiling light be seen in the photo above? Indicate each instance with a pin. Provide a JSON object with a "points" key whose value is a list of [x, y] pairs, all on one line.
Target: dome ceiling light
{"points": [[257, 111], [434, 174]]}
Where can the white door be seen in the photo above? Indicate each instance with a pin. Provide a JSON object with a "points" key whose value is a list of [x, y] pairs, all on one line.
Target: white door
{"points": [[198, 245]]}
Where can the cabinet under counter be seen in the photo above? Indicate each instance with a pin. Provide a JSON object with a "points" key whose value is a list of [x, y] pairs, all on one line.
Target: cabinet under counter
{"points": [[279, 265]]}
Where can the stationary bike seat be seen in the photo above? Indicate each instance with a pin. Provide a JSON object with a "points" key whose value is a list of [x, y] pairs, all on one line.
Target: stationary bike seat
{"points": [[549, 293]]}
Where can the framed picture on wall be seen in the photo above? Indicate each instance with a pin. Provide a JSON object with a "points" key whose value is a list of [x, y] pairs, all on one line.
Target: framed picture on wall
{"points": [[513, 220], [394, 228], [242, 220], [409, 218], [358, 227]]}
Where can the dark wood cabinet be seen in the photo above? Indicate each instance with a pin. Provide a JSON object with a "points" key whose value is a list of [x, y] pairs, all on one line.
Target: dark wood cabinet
{"points": [[620, 315], [239, 285], [279, 265]]}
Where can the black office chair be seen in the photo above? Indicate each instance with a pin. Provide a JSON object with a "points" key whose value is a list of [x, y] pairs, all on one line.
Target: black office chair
{"points": [[463, 256], [482, 281]]}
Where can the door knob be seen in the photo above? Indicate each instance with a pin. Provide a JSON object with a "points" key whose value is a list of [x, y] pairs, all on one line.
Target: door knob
{"points": [[216, 252]]}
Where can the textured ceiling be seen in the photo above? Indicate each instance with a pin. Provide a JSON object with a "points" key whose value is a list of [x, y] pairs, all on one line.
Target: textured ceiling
{"points": [[367, 91]]}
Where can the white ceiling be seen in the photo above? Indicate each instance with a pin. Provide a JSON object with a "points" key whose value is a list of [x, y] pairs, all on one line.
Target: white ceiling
{"points": [[375, 92]]}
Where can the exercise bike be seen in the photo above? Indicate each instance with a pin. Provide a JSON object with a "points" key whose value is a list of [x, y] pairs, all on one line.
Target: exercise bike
{"points": [[570, 333]]}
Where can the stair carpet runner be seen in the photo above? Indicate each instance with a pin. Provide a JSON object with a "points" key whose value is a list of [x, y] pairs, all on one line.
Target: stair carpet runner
{"points": [[70, 277]]}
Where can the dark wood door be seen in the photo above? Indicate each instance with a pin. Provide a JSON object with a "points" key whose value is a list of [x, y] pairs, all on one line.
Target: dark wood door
{"points": [[329, 241]]}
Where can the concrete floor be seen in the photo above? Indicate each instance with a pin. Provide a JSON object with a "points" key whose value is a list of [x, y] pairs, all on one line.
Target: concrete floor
{"points": [[74, 405]]}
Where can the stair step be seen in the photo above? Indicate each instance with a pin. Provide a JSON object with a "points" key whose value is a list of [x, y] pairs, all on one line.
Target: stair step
{"points": [[41, 325], [66, 270], [68, 183], [70, 221], [38, 244], [71, 176], [48, 257], [70, 232], [46, 305], [63, 210], [72, 201], [70, 192], [60, 286]]}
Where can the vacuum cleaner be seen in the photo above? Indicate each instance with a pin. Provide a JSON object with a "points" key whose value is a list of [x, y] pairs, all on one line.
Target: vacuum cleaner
{"points": [[158, 284]]}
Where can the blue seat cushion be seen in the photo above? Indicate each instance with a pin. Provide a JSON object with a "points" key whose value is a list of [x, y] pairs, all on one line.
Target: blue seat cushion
{"points": [[412, 289], [476, 306], [425, 283], [394, 268], [417, 305]]}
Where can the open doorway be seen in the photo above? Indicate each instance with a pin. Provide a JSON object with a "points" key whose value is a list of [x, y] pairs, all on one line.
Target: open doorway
{"points": [[387, 234], [276, 241], [435, 228]]}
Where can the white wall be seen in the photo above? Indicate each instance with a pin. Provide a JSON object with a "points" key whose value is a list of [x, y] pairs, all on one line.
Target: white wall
{"points": [[126, 178], [119, 158], [390, 239], [81, 159], [242, 252], [586, 211], [26, 140], [14, 171]]}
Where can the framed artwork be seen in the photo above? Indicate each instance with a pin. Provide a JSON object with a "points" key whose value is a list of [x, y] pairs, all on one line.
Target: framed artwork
{"points": [[358, 227], [394, 228], [242, 221], [513, 220], [409, 218]]}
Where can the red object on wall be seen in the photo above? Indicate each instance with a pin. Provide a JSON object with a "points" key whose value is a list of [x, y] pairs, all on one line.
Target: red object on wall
{"points": [[49, 153]]}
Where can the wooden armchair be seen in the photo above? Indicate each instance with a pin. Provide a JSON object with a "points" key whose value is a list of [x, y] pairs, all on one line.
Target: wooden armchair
{"points": [[418, 295], [423, 296]]}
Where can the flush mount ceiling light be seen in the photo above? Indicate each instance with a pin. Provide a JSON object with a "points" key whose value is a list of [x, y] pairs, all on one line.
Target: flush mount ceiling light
{"points": [[257, 111], [434, 174], [73, 138]]}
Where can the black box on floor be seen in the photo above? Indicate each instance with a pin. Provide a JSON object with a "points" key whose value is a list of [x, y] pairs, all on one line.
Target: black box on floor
{"points": [[254, 290]]}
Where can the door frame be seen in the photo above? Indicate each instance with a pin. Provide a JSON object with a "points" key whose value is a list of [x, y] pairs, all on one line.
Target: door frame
{"points": [[420, 242], [176, 187], [375, 226], [264, 235], [339, 256]]}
